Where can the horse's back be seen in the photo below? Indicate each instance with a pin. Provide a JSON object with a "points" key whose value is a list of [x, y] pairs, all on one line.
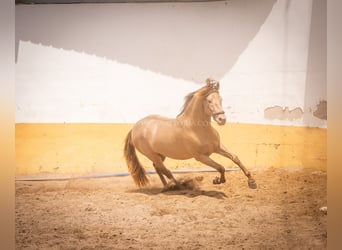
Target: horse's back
{"points": [[149, 123]]}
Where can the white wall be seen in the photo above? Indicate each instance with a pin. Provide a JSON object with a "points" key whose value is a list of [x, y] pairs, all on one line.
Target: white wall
{"points": [[273, 69], [115, 63]]}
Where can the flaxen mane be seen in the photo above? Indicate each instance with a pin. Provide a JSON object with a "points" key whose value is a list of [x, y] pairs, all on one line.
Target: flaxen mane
{"points": [[212, 86]]}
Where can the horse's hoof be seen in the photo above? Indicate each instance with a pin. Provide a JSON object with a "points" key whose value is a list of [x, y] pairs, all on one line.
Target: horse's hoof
{"points": [[216, 180], [252, 184]]}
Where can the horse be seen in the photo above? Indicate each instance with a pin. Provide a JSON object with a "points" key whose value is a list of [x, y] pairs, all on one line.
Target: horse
{"points": [[189, 135]]}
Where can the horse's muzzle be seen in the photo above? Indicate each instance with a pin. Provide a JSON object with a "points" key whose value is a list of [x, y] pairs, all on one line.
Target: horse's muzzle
{"points": [[220, 117]]}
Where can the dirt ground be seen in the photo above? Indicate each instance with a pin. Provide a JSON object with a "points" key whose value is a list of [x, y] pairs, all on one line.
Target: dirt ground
{"points": [[111, 213]]}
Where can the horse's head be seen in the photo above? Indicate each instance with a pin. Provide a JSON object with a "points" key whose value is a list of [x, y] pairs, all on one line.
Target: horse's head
{"points": [[213, 102]]}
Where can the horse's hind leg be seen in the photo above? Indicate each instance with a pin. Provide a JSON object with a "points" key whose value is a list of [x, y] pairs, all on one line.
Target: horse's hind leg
{"points": [[157, 160], [158, 163], [161, 176], [236, 160]]}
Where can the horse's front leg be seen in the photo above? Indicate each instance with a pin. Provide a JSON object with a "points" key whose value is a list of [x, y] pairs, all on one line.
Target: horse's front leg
{"points": [[208, 161], [222, 151]]}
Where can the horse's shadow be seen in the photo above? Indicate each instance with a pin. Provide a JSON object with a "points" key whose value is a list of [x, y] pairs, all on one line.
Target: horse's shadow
{"points": [[188, 186], [191, 193]]}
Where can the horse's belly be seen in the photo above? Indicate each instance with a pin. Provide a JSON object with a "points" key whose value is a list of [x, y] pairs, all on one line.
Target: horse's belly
{"points": [[175, 154], [182, 150], [172, 149]]}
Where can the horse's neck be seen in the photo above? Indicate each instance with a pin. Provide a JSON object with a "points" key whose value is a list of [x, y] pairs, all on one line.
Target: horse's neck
{"points": [[195, 112]]}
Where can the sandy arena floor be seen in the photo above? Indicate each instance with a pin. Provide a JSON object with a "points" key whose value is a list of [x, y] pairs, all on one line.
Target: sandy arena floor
{"points": [[111, 213]]}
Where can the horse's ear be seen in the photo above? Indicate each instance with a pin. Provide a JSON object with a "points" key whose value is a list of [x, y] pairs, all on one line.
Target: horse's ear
{"points": [[213, 84], [216, 85]]}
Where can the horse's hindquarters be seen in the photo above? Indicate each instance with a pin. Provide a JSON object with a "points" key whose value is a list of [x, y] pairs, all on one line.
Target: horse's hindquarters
{"points": [[162, 136]]}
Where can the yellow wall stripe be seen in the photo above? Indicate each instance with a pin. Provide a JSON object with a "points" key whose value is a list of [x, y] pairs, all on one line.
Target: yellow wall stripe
{"points": [[73, 148]]}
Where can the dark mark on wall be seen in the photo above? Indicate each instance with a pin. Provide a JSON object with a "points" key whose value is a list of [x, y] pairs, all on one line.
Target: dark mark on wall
{"points": [[321, 111]]}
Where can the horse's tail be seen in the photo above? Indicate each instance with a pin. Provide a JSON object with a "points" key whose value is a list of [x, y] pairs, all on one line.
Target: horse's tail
{"points": [[137, 172]]}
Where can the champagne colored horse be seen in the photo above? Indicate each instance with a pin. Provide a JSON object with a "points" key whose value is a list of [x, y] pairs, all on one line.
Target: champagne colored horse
{"points": [[190, 135]]}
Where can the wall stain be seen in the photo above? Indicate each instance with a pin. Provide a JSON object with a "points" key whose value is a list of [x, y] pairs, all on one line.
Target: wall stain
{"points": [[277, 112], [321, 111]]}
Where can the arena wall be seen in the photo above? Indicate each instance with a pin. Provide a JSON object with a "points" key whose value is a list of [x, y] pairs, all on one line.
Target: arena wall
{"points": [[86, 73]]}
